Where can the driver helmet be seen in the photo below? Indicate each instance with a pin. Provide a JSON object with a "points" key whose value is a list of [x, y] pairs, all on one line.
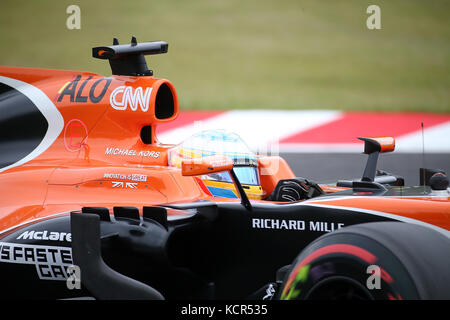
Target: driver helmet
{"points": [[222, 142]]}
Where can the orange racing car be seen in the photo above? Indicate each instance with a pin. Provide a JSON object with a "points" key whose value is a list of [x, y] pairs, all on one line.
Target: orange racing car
{"points": [[93, 205]]}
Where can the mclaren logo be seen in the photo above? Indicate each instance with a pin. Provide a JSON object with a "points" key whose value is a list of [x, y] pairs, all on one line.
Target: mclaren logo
{"points": [[124, 96], [45, 235]]}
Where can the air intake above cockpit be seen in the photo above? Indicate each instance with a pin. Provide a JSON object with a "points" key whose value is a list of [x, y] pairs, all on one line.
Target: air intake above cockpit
{"points": [[128, 59]]}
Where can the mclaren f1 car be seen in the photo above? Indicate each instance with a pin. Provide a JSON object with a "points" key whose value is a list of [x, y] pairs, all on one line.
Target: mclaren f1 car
{"points": [[93, 205]]}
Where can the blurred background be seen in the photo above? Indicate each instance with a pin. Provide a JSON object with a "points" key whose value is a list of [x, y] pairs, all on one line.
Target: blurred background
{"points": [[233, 54]]}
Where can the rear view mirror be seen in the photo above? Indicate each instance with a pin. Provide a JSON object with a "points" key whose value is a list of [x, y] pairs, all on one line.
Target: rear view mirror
{"points": [[206, 165], [212, 164], [380, 144], [373, 147]]}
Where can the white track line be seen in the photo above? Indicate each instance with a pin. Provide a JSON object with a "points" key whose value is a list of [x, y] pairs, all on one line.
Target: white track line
{"points": [[263, 129], [258, 128], [437, 140]]}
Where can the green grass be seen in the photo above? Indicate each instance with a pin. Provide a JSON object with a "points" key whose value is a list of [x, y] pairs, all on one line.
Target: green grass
{"points": [[284, 54]]}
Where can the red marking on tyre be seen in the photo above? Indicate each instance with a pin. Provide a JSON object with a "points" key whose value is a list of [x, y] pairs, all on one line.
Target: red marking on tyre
{"points": [[334, 248], [396, 297], [385, 276]]}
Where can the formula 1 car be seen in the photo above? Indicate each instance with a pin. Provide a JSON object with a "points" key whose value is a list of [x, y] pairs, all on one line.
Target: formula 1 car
{"points": [[93, 205]]}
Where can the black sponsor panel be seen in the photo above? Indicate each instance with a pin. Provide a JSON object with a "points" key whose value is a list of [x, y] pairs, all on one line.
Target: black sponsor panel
{"points": [[22, 126], [35, 261], [250, 246], [221, 251]]}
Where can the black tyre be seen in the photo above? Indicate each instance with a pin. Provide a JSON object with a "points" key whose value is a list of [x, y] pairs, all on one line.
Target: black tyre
{"points": [[380, 260]]}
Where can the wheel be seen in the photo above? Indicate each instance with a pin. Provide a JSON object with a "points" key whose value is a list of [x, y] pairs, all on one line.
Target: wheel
{"points": [[380, 260]]}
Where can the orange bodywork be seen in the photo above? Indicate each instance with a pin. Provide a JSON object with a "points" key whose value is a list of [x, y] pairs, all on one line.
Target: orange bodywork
{"points": [[99, 157], [206, 165], [271, 170], [387, 144], [102, 156]]}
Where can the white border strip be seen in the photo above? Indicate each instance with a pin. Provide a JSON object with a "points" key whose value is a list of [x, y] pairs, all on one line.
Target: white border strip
{"points": [[48, 110]]}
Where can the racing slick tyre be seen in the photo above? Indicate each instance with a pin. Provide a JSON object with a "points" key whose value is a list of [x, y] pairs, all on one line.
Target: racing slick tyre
{"points": [[379, 260]]}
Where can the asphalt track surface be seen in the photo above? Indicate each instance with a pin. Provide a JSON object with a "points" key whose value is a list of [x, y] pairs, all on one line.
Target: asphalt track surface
{"points": [[328, 167]]}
